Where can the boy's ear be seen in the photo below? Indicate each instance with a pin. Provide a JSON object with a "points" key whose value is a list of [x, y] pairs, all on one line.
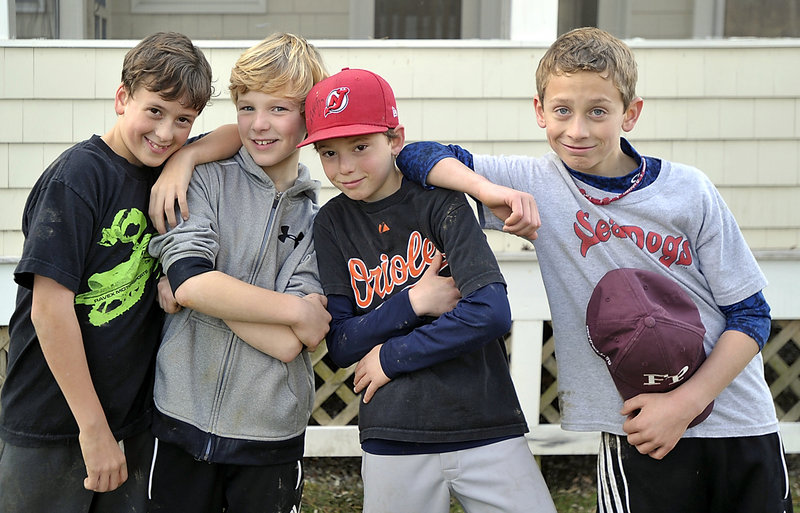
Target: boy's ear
{"points": [[539, 108], [121, 99], [398, 142], [632, 114]]}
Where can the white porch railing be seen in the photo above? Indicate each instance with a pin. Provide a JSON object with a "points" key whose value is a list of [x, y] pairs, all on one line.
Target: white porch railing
{"points": [[529, 311]]}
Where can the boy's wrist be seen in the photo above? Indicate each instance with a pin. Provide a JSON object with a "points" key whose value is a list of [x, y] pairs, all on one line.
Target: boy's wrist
{"points": [[295, 309], [693, 398], [92, 424], [479, 187], [187, 155]]}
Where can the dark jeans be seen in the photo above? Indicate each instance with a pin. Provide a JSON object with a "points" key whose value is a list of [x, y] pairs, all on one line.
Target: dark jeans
{"points": [[50, 479]]}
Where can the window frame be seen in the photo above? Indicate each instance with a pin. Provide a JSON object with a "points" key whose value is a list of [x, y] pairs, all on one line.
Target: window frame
{"points": [[29, 6], [198, 7]]}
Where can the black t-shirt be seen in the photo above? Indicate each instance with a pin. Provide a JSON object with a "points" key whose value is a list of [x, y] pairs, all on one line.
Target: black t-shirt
{"points": [[373, 251], [86, 227]]}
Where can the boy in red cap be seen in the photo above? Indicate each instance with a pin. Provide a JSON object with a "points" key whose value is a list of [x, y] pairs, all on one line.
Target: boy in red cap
{"points": [[440, 415]]}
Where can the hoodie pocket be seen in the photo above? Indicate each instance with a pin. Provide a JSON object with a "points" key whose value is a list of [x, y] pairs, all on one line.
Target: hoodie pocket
{"points": [[190, 367], [265, 399]]}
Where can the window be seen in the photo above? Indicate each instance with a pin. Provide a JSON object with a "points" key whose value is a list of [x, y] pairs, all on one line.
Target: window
{"points": [[37, 19], [576, 13], [420, 19], [756, 18]]}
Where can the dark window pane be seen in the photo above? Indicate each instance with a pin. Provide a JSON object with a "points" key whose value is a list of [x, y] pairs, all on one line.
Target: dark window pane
{"points": [[418, 19], [757, 18]]}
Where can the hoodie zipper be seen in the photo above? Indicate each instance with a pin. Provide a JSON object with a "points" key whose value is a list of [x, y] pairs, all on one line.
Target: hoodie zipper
{"points": [[206, 456]]}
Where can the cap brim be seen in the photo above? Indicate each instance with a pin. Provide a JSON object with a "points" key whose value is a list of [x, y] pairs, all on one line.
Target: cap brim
{"points": [[703, 416], [342, 131]]}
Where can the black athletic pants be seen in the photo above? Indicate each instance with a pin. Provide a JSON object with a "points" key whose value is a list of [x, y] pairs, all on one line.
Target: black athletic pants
{"points": [[178, 483], [700, 475]]}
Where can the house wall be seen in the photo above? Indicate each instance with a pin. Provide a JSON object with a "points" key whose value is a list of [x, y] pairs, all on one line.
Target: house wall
{"points": [[731, 108]]}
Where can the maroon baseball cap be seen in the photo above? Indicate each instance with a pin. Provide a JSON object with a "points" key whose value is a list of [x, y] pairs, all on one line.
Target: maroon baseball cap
{"points": [[648, 330], [351, 102]]}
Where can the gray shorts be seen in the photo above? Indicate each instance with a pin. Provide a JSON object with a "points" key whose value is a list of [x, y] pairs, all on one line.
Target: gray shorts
{"points": [[34, 479], [502, 477]]}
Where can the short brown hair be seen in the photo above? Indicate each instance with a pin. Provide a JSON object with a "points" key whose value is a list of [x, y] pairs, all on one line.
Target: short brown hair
{"points": [[590, 49], [280, 63], [169, 64], [390, 134]]}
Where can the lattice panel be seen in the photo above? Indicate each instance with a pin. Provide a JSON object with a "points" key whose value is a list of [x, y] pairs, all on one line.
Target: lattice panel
{"points": [[335, 403], [781, 368], [548, 405]]}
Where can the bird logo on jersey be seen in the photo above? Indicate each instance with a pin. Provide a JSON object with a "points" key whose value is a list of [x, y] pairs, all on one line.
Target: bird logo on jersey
{"points": [[337, 100]]}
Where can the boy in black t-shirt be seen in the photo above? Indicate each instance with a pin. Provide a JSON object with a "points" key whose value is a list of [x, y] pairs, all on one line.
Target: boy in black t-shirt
{"points": [[76, 402], [440, 415]]}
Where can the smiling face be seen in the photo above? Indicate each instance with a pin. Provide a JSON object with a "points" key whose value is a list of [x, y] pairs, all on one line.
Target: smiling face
{"points": [[362, 167], [271, 126], [148, 129], [583, 115]]}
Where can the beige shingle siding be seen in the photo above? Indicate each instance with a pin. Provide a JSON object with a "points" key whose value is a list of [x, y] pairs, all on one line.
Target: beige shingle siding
{"points": [[731, 109]]}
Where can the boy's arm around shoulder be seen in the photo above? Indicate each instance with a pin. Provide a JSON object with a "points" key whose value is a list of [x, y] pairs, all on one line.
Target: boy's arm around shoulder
{"points": [[53, 316], [173, 181], [449, 167]]}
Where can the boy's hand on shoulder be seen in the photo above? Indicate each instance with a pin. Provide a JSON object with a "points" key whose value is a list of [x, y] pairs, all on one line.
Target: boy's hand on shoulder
{"points": [[171, 186], [434, 295], [314, 321], [656, 422], [516, 209], [369, 375], [106, 467]]}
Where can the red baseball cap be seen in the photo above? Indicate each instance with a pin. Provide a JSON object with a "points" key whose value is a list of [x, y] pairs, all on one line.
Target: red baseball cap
{"points": [[648, 330], [351, 102]]}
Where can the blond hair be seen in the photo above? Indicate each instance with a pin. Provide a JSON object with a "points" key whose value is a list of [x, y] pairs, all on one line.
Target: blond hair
{"points": [[169, 64], [282, 63], [589, 49]]}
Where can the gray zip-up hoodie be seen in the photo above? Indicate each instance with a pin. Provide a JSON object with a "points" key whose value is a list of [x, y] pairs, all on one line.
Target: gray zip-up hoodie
{"points": [[216, 396]]}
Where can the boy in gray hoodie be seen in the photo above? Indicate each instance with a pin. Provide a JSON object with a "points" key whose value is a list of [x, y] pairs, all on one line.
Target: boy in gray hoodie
{"points": [[234, 383]]}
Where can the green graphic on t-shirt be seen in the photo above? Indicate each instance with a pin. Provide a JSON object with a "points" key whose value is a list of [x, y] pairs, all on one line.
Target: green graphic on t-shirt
{"points": [[115, 291]]}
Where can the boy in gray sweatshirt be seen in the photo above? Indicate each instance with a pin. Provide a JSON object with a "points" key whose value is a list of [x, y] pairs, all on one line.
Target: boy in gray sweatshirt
{"points": [[234, 383]]}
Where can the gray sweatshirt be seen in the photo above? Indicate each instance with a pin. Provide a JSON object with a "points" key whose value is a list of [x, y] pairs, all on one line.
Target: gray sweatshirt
{"points": [[215, 395]]}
